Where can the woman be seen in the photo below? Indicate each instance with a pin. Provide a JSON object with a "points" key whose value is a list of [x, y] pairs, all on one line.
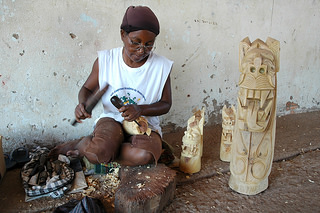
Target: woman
{"points": [[141, 79]]}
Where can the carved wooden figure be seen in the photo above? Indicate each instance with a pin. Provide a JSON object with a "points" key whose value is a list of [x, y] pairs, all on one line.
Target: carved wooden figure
{"points": [[255, 128], [228, 121], [132, 127], [192, 147]]}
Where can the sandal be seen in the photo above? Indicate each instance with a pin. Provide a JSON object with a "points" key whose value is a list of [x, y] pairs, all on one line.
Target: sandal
{"points": [[10, 163]]}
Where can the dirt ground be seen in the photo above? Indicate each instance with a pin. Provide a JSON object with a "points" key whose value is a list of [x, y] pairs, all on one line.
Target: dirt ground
{"points": [[294, 182]]}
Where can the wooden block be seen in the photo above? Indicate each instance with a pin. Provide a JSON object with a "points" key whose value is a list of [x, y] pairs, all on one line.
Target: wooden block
{"points": [[146, 188]]}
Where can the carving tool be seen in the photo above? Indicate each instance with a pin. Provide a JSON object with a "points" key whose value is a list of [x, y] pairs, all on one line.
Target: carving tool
{"points": [[92, 102], [118, 104]]}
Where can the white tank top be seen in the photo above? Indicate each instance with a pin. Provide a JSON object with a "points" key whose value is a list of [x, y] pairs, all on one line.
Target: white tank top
{"points": [[142, 85]]}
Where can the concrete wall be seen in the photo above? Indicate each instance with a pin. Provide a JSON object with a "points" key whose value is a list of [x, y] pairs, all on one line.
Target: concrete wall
{"points": [[48, 48]]}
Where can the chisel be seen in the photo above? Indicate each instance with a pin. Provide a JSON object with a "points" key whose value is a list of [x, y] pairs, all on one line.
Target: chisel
{"points": [[118, 104]]}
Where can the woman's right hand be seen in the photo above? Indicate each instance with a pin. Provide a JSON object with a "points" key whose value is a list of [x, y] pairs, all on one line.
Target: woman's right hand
{"points": [[81, 113]]}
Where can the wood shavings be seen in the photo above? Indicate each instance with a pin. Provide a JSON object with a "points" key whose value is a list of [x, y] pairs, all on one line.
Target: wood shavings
{"points": [[103, 185], [140, 185]]}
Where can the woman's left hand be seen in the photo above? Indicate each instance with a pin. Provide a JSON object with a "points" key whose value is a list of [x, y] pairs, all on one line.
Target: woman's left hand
{"points": [[130, 112]]}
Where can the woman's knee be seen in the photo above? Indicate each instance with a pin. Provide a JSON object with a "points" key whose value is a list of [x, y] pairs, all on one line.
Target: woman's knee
{"points": [[106, 141], [143, 159], [132, 156]]}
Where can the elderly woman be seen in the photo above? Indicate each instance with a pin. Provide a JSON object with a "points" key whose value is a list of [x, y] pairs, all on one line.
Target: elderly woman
{"points": [[141, 79]]}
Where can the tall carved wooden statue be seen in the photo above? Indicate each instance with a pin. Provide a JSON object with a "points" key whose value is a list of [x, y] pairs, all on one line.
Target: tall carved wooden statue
{"points": [[228, 121], [255, 128]]}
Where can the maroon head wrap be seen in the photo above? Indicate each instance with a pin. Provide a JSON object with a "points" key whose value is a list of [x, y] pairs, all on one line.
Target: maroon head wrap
{"points": [[140, 18]]}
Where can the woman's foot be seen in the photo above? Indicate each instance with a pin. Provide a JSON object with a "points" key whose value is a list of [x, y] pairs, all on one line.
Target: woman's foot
{"points": [[63, 149], [73, 153]]}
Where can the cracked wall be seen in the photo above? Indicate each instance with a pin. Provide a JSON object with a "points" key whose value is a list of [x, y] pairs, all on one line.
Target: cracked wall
{"points": [[48, 48]]}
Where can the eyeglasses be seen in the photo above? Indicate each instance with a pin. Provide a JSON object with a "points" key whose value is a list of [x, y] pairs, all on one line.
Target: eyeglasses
{"points": [[135, 46]]}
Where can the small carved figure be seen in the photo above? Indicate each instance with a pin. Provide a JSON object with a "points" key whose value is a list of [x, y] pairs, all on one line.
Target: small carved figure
{"points": [[228, 121], [254, 133], [192, 147]]}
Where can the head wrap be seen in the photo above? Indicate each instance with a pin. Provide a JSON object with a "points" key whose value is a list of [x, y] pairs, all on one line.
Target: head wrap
{"points": [[140, 18]]}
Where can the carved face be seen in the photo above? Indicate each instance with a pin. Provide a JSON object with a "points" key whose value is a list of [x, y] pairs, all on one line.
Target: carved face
{"points": [[191, 143], [192, 140], [257, 87], [228, 120]]}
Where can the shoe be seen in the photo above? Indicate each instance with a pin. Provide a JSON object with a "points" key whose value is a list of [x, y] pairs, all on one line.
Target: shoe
{"points": [[20, 156]]}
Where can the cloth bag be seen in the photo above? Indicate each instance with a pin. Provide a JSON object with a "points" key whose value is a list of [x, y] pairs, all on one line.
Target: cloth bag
{"points": [[41, 177]]}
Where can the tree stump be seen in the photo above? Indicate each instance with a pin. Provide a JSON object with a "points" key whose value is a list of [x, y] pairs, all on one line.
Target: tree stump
{"points": [[146, 188]]}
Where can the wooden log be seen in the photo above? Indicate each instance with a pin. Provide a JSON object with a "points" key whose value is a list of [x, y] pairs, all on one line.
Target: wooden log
{"points": [[146, 188]]}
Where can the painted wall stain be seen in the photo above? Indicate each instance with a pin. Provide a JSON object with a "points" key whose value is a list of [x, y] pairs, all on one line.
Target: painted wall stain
{"points": [[215, 116], [315, 101], [4, 82], [87, 18], [16, 36], [291, 106], [212, 54], [73, 36], [205, 102]]}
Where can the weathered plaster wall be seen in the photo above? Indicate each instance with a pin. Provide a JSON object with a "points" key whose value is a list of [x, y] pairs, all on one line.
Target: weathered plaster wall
{"points": [[48, 48]]}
